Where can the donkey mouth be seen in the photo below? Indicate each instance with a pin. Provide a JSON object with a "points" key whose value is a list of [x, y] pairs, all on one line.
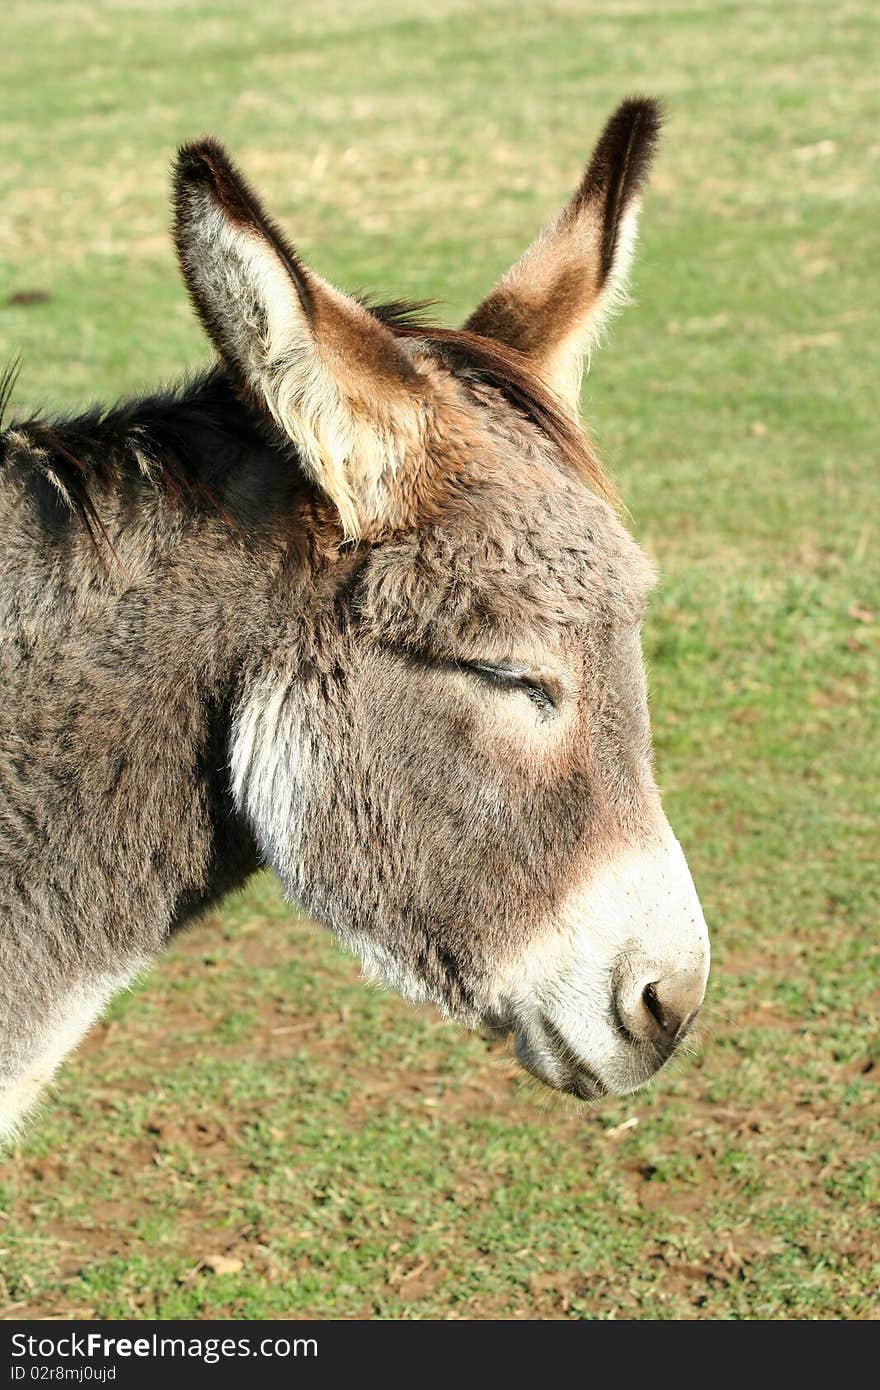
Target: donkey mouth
{"points": [[581, 1082], [550, 1058]]}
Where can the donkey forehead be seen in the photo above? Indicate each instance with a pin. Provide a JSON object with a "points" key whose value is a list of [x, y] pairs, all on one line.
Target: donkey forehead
{"points": [[517, 552]]}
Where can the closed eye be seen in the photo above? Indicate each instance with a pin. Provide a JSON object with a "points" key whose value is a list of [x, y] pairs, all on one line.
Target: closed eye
{"points": [[545, 696], [512, 678]]}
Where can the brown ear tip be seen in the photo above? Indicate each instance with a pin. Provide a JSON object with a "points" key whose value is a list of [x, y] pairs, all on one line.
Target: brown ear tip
{"points": [[200, 161], [623, 155], [641, 118], [648, 109]]}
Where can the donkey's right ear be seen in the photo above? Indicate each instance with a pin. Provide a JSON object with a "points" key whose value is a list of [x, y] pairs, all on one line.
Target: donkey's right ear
{"points": [[334, 378]]}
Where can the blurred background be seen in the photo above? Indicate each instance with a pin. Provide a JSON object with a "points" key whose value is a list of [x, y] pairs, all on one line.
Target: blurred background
{"points": [[255, 1133]]}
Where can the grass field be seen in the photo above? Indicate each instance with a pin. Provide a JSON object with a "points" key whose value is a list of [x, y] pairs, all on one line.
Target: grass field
{"points": [[256, 1133]]}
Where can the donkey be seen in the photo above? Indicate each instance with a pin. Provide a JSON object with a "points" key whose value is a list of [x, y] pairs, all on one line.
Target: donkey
{"points": [[355, 603]]}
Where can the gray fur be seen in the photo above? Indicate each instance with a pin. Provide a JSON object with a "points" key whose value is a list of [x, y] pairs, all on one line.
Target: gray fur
{"points": [[198, 673]]}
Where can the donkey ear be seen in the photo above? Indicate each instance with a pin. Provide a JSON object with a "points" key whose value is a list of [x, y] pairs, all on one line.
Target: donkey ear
{"points": [[333, 378], [553, 303]]}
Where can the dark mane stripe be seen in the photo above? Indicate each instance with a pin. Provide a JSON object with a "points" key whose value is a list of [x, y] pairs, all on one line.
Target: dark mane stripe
{"points": [[8, 378], [161, 438]]}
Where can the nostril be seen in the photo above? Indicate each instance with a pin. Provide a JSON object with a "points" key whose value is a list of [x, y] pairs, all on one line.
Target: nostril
{"points": [[652, 1008], [655, 1008]]}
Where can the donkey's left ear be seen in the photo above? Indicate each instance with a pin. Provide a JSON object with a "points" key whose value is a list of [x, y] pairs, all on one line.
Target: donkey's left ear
{"points": [[552, 304], [334, 379]]}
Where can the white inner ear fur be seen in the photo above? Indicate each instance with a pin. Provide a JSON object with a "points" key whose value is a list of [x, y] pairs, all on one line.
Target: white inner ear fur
{"points": [[565, 367], [352, 457]]}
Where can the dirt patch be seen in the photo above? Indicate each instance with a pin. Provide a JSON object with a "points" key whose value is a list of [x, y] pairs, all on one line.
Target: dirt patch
{"points": [[201, 1159]]}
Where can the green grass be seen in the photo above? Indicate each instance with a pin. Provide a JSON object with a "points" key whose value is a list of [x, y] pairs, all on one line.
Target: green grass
{"points": [[350, 1156]]}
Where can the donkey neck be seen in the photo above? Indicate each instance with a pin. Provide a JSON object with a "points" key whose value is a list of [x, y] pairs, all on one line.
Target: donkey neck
{"points": [[120, 676]]}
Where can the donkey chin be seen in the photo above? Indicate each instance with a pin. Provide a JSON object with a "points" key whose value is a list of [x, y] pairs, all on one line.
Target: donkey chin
{"points": [[616, 984]]}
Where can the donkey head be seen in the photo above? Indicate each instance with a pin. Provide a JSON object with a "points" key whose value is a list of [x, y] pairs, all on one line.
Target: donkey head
{"points": [[444, 748]]}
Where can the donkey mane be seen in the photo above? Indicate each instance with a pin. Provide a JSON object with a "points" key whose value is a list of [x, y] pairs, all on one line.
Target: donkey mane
{"points": [[508, 372], [161, 437]]}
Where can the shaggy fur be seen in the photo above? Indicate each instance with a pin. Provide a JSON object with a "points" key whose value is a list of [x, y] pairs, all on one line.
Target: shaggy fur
{"points": [[435, 736]]}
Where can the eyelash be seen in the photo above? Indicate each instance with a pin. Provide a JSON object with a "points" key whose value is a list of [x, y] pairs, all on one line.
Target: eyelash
{"points": [[501, 676]]}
